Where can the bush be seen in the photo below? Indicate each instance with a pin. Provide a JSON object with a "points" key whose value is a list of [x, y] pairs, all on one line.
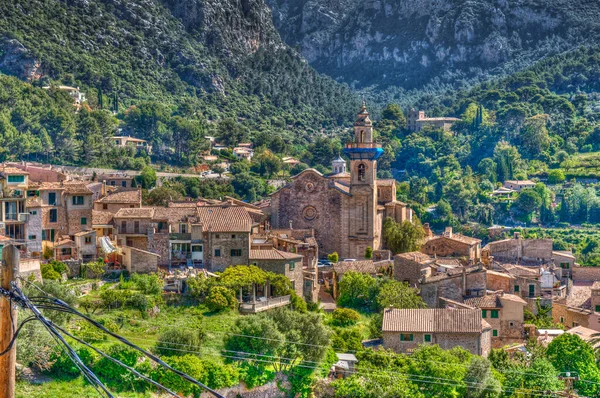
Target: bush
{"points": [[113, 298], [348, 339], [177, 341], [64, 366], [298, 303], [48, 272], [556, 177], [345, 317], [139, 302], [220, 298], [148, 284], [115, 375]]}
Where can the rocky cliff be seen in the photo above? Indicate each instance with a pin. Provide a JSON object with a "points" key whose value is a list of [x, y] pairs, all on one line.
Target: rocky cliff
{"points": [[409, 43]]}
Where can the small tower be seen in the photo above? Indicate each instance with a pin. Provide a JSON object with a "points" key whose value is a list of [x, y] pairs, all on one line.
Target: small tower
{"points": [[363, 152], [338, 166]]}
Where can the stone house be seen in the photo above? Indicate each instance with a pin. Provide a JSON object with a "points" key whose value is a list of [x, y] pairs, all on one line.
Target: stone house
{"points": [[103, 224], [453, 245], [418, 120], [280, 262], [137, 143], [454, 284], [122, 199], [518, 185], [346, 210], [565, 260], [580, 308], [116, 180], [132, 225], [34, 226], [65, 249], [85, 241], [517, 249], [505, 314], [412, 267], [138, 260], [13, 194], [405, 329]]}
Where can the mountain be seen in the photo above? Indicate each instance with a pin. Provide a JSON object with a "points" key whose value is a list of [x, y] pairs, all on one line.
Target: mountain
{"points": [[414, 43]]}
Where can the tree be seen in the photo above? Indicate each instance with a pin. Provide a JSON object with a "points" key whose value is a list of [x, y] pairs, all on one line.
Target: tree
{"points": [[218, 169], [556, 176], [161, 196], [248, 186], [569, 353], [402, 238], [534, 136], [357, 291], [540, 376], [345, 317], [266, 164], [528, 201], [231, 132], [178, 341], [398, 295], [220, 298], [148, 177], [480, 380], [333, 257], [369, 253]]}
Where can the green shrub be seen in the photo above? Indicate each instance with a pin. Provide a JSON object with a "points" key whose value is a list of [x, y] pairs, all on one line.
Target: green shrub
{"points": [[114, 374], [255, 375], [148, 284], [177, 341], [139, 302], [220, 298], [48, 272], [62, 365], [297, 302], [345, 317], [113, 298]]}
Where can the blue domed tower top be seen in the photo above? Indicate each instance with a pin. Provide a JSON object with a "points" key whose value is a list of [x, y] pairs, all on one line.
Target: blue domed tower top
{"points": [[363, 146]]}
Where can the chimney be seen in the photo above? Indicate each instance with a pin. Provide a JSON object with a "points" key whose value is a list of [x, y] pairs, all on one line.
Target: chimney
{"points": [[517, 235], [464, 281], [448, 232]]}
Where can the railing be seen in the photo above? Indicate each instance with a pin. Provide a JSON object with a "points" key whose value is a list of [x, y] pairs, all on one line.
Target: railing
{"points": [[10, 216], [363, 145], [265, 305], [180, 236]]}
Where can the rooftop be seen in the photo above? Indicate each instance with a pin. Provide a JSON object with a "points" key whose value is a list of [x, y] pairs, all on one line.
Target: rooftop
{"points": [[416, 256], [364, 266], [273, 254], [224, 219], [8, 170], [175, 214], [102, 217], [129, 196], [142, 212], [433, 320], [493, 300]]}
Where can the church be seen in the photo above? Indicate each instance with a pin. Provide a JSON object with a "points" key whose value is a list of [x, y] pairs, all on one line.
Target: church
{"points": [[345, 209]]}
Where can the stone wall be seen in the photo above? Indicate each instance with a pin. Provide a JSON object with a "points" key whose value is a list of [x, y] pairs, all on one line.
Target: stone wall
{"points": [[527, 249], [114, 207], [445, 247], [139, 261], [408, 270], [571, 316], [60, 226], [311, 203], [225, 242], [159, 243], [283, 267], [34, 229], [28, 267], [585, 274], [477, 344], [276, 389], [497, 281], [75, 214], [452, 287]]}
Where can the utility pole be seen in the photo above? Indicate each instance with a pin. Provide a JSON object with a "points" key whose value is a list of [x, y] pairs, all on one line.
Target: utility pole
{"points": [[569, 378], [8, 322]]}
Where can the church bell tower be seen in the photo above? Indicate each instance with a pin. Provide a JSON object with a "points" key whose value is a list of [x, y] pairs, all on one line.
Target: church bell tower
{"points": [[362, 222]]}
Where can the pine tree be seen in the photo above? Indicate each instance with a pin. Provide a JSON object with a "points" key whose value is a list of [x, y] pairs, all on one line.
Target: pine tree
{"points": [[100, 100]]}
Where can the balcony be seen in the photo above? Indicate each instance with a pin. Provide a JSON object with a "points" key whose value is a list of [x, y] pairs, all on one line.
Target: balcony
{"points": [[11, 217], [368, 145], [264, 304], [180, 236]]}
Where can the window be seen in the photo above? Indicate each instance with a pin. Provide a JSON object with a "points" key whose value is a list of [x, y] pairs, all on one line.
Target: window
{"points": [[217, 236], [16, 179], [564, 265], [32, 237], [83, 221], [484, 313], [597, 308], [233, 236], [575, 324], [136, 227], [531, 290], [124, 184], [88, 240], [104, 206], [494, 333], [292, 265], [517, 288], [217, 252], [562, 319], [197, 249], [236, 252], [362, 172], [494, 313], [53, 215], [406, 337], [183, 228], [65, 251], [33, 212], [112, 183], [427, 338], [511, 324], [52, 198], [123, 227], [77, 200]]}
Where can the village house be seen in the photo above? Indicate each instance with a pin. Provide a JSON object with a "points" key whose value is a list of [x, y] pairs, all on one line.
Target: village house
{"points": [[116, 180], [137, 143], [456, 284], [518, 185], [241, 153], [453, 245], [518, 249], [412, 267], [121, 199], [418, 120], [13, 215], [280, 262], [405, 329], [138, 260], [346, 212], [77, 95], [505, 314], [580, 308]]}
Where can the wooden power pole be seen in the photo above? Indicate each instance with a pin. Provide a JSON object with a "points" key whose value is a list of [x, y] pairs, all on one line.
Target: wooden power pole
{"points": [[8, 322]]}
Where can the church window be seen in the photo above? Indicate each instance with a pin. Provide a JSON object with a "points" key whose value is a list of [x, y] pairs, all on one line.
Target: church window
{"points": [[362, 136], [309, 213], [362, 172]]}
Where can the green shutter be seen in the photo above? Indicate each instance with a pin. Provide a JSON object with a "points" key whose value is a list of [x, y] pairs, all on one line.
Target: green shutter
{"points": [[495, 333], [516, 288], [484, 313], [494, 313], [427, 338]]}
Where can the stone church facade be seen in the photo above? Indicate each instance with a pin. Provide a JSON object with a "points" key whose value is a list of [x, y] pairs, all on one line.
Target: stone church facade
{"points": [[346, 209]]}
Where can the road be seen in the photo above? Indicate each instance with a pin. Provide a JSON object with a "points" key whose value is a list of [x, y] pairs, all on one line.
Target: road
{"points": [[159, 174]]}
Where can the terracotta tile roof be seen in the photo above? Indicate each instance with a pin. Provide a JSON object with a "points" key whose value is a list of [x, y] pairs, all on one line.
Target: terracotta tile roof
{"points": [[175, 214], [502, 274], [365, 267], [433, 320], [186, 203], [83, 233], [596, 285], [341, 187], [224, 219], [388, 182], [344, 174], [8, 170], [519, 270], [64, 241], [142, 212], [33, 201], [273, 254], [487, 301], [415, 256], [581, 296], [76, 188], [102, 217], [133, 196]]}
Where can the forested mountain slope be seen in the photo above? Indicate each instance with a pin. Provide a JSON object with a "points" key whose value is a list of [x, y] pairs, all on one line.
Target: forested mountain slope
{"points": [[198, 59]]}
